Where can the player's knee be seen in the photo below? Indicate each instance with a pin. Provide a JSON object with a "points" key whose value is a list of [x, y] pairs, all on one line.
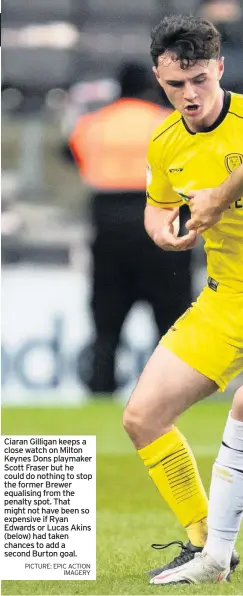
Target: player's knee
{"points": [[132, 422], [237, 406]]}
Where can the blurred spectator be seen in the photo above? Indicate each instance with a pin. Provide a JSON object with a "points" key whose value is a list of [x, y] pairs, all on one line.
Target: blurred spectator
{"points": [[110, 147], [227, 15], [221, 10]]}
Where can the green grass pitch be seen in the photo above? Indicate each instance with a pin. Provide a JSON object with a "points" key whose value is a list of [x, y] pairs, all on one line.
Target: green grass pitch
{"points": [[130, 512]]}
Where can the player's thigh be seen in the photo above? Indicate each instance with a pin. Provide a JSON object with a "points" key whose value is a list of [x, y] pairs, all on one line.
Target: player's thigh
{"points": [[166, 388]]}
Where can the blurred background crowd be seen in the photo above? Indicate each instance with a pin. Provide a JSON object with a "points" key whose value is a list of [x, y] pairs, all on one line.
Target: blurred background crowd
{"points": [[60, 60]]}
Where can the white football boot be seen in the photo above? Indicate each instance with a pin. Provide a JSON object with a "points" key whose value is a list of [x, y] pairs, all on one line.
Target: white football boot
{"points": [[200, 570]]}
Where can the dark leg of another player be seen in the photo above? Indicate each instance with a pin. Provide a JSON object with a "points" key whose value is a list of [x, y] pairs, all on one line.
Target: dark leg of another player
{"points": [[171, 306], [110, 304], [167, 284]]}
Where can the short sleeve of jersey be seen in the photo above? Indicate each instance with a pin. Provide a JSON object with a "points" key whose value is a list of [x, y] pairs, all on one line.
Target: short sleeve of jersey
{"points": [[159, 191]]}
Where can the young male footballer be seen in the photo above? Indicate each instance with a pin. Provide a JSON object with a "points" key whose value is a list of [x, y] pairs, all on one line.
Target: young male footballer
{"points": [[199, 146]]}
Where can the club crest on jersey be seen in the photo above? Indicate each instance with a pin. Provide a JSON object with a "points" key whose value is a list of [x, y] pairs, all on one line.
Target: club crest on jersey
{"points": [[233, 161]]}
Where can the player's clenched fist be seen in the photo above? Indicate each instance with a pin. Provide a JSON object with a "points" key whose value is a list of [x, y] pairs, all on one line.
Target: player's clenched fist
{"points": [[162, 226], [205, 208]]}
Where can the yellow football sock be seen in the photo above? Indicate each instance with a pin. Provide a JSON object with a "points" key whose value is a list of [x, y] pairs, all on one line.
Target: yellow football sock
{"points": [[173, 469]]}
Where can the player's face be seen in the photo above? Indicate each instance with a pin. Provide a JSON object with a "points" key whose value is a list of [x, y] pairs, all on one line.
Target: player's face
{"points": [[194, 92]]}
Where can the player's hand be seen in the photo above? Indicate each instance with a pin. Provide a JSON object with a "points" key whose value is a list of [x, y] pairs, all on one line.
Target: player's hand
{"points": [[166, 237], [205, 210]]}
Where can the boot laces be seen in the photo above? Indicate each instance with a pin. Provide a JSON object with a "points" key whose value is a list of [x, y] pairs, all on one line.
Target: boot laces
{"points": [[185, 555]]}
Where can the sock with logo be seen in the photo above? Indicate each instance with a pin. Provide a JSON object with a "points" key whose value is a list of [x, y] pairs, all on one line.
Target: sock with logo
{"points": [[226, 495], [172, 467]]}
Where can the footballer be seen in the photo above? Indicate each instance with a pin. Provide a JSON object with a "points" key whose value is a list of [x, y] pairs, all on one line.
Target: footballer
{"points": [[199, 146]]}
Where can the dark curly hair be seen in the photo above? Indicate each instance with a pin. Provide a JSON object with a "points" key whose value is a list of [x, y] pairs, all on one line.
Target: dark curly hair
{"points": [[187, 38]]}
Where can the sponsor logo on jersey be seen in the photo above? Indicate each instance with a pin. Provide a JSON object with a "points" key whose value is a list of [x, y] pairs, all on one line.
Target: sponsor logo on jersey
{"points": [[233, 161], [175, 170]]}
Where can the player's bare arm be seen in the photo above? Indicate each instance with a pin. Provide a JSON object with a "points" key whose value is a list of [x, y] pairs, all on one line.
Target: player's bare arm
{"points": [[208, 205], [162, 225]]}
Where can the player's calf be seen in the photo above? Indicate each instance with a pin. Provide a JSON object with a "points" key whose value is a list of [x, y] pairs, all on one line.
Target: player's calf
{"points": [[237, 405], [226, 494], [166, 388]]}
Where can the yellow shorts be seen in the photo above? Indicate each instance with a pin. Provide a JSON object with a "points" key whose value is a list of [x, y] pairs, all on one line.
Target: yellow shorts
{"points": [[209, 335]]}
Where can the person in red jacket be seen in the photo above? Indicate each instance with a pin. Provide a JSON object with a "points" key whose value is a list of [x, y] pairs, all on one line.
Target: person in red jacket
{"points": [[110, 147]]}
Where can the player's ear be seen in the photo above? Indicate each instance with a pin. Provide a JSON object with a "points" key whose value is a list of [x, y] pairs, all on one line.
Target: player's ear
{"points": [[156, 73], [220, 67]]}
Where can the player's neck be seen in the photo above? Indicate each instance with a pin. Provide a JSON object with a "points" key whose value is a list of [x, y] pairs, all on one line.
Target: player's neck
{"points": [[211, 117]]}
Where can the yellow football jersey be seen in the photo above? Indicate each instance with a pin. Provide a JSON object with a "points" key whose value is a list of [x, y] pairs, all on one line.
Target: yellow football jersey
{"points": [[180, 161]]}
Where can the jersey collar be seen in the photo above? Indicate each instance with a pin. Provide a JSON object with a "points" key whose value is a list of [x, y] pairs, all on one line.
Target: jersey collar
{"points": [[221, 116]]}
